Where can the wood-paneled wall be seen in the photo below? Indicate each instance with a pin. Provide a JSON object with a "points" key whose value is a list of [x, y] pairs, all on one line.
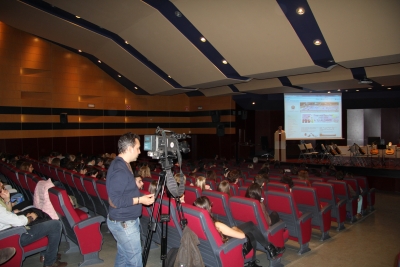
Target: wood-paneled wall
{"points": [[39, 80]]}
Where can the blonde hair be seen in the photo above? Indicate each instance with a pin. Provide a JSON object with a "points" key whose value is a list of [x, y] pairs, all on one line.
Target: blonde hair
{"points": [[144, 171], [177, 178], [303, 175], [201, 182]]}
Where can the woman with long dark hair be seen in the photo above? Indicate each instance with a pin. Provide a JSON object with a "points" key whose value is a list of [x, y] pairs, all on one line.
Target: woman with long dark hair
{"points": [[254, 192], [246, 230]]}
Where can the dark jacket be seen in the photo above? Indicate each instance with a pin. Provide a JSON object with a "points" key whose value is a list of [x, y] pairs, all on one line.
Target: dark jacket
{"points": [[189, 254]]}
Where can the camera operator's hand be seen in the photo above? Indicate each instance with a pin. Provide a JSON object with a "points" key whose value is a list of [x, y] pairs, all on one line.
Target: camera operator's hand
{"points": [[146, 199]]}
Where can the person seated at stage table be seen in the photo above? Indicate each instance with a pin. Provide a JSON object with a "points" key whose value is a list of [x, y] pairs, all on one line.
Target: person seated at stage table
{"points": [[303, 175], [254, 191]]}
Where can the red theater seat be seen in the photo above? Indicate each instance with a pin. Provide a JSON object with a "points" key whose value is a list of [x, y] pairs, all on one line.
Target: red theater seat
{"points": [[307, 201], [342, 192], [220, 207], [83, 234], [326, 193], [277, 186], [298, 224]]}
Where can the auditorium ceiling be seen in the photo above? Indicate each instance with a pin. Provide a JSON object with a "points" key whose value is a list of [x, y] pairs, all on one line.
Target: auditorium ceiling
{"points": [[225, 47]]}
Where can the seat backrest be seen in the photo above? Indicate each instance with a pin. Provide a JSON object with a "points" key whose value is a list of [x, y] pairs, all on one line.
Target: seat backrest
{"points": [[68, 178], [192, 193], [309, 146], [325, 192], [305, 196], [353, 183], [299, 182], [247, 209], [275, 186], [242, 191], [301, 147], [91, 188], [61, 175], [315, 179], [234, 188], [362, 182], [220, 207], [200, 222], [212, 184], [340, 188], [53, 173]]}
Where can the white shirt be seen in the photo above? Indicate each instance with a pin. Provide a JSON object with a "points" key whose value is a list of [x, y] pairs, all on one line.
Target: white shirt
{"points": [[9, 219]]}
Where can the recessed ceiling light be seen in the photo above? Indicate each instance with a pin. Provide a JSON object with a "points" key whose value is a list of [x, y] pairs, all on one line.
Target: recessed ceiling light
{"points": [[169, 76], [347, 90], [77, 17], [126, 42], [203, 39], [329, 92], [224, 61], [300, 11], [317, 42], [357, 90], [119, 76], [80, 51], [370, 88], [99, 61], [135, 87], [383, 85], [389, 88], [338, 90], [178, 14], [253, 103]]}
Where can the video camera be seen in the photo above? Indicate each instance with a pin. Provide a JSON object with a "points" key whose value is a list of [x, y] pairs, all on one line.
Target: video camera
{"points": [[165, 144]]}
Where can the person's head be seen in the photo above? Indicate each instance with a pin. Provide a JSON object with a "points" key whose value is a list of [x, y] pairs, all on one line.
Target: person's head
{"points": [[279, 128], [250, 166], [139, 181], [55, 162], [201, 182], [286, 179], [177, 178], [260, 179], [254, 192], [26, 166], [303, 175], [129, 146], [99, 162], [203, 203], [224, 187], [233, 176], [101, 175], [70, 165], [153, 187], [145, 171], [211, 175]]}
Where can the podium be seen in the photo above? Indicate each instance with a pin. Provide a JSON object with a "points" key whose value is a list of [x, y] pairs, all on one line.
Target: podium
{"points": [[280, 146]]}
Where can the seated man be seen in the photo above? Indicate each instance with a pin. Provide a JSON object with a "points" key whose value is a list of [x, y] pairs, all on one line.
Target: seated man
{"points": [[51, 229]]}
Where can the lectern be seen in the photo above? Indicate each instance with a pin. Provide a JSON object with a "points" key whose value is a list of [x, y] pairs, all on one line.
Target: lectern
{"points": [[280, 145]]}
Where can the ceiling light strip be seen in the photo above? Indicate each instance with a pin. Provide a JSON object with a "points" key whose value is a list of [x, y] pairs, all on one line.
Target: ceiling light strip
{"points": [[308, 31], [182, 24]]}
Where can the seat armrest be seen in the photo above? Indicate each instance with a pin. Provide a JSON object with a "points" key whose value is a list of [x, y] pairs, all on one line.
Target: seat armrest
{"points": [[305, 217], [232, 243], [326, 209], [276, 227], [90, 221], [12, 231], [341, 202]]}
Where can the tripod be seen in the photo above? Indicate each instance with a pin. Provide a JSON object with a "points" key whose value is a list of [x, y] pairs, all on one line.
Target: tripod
{"points": [[162, 218]]}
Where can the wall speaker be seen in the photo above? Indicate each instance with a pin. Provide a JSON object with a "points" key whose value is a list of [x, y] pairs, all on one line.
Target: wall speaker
{"points": [[215, 116], [244, 115], [220, 129], [63, 118]]}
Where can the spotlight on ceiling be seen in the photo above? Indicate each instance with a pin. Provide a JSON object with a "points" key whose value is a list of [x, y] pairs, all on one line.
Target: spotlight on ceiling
{"points": [[99, 61], [203, 39], [255, 102], [224, 61], [329, 92], [317, 42], [300, 11], [178, 14]]}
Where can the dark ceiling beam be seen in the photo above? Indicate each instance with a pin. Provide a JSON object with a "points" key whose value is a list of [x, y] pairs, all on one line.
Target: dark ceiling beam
{"points": [[307, 29]]}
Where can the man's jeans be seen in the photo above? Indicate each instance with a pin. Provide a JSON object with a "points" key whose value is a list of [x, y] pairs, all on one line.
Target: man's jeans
{"points": [[129, 247], [51, 229]]}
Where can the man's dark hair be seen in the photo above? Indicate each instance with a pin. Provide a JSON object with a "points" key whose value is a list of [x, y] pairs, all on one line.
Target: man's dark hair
{"points": [[127, 140]]}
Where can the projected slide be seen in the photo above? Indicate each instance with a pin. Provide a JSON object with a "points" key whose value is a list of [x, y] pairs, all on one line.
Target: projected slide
{"points": [[313, 116]]}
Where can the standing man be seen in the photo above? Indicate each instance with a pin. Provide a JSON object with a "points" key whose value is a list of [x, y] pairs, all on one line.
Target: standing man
{"points": [[280, 145], [126, 203]]}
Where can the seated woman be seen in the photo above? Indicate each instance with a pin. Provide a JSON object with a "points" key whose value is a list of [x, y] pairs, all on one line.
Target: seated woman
{"points": [[286, 179], [144, 171], [201, 182], [224, 187], [254, 192], [303, 175], [242, 231]]}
